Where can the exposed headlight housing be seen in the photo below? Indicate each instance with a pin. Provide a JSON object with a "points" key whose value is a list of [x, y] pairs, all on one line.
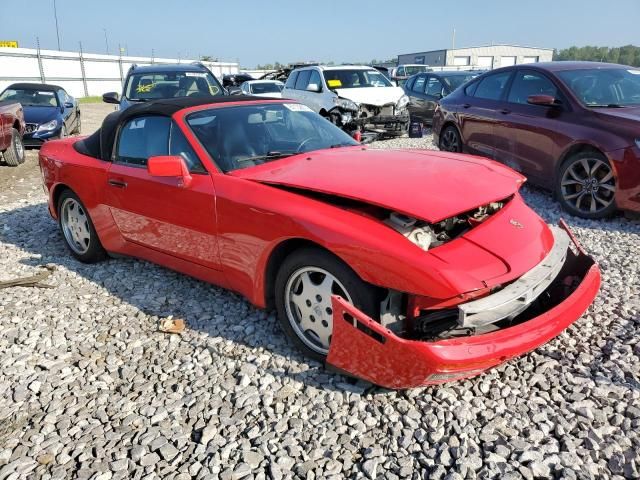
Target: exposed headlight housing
{"points": [[345, 104], [418, 233], [49, 126], [403, 102], [638, 142]]}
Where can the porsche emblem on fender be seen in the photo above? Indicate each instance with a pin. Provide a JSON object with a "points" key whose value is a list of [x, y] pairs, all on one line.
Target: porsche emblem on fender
{"points": [[516, 223]]}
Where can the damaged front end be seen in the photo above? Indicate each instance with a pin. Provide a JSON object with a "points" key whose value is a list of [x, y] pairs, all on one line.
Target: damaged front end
{"points": [[433, 346], [391, 119]]}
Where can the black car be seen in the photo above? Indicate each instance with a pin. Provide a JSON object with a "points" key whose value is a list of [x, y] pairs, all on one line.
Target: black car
{"points": [[235, 79], [161, 81], [426, 89], [49, 111]]}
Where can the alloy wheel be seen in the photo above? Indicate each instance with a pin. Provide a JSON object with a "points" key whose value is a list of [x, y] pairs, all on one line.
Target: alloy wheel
{"points": [[588, 185], [19, 146], [450, 141], [75, 226], [308, 306]]}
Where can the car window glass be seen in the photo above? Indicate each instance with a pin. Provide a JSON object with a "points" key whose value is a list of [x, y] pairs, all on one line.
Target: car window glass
{"points": [[530, 83], [315, 78], [419, 85], [291, 81], [434, 87], [141, 138], [492, 86], [179, 145], [470, 90], [303, 79]]}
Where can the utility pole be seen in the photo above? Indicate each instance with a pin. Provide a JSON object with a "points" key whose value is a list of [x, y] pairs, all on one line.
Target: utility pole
{"points": [[106, 40], [55, 14], [453, 40]]}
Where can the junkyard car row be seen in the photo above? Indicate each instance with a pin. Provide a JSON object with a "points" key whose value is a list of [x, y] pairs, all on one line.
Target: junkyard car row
{"points": [[401, 268]]}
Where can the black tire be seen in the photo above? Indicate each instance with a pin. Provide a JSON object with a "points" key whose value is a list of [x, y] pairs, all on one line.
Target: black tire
{"points": [[14, 155], [363, 296], [92, 250], [63, 132], [450, 140], [76, 130], [585, 185]]}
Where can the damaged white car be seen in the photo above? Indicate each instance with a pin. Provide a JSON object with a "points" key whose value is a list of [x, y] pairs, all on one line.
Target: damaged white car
{"points": [[355, 98]]}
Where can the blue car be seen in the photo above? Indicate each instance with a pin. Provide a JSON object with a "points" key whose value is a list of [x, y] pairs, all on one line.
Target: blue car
{"points": [[49, 111], [159, 81]]}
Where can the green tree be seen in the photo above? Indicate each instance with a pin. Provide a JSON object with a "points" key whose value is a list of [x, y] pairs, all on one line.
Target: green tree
{"points": [[626, 55]]}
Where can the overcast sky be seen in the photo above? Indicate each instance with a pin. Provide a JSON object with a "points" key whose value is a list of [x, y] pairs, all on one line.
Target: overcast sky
{"points": [[255, 31]]}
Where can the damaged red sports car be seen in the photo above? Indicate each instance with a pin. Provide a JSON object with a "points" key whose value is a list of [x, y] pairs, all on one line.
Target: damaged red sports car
{"points": [[404, 268]]}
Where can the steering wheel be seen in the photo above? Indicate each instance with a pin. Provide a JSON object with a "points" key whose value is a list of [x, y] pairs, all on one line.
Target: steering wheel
{"points": [[304, 142]]}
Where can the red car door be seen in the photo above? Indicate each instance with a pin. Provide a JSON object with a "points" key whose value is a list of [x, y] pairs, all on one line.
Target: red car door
{"points": [[158, 212], [481, 111], [535, 130]]}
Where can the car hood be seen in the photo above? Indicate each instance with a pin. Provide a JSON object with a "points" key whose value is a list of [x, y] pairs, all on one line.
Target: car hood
{"points": [[428, 185], [626, 114], [377, 96], [40, 115]]}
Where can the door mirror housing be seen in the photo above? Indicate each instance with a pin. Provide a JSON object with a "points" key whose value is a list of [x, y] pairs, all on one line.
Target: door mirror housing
{"points": [[68, 104], [314, 87], [543, 100], [170, 166], [111, 97]]}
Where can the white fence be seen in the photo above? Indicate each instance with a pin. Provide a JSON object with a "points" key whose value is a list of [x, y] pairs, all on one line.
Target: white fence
{"points": [[81, 74]]}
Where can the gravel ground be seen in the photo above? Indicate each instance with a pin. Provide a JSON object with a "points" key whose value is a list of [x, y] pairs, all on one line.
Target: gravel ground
{"points": [[90, 389]]}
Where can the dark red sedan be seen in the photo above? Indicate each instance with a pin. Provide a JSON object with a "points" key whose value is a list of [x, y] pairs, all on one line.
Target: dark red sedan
{"points": [[571, 127]]}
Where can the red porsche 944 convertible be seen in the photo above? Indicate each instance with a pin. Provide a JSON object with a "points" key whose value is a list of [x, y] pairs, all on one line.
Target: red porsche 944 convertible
{"points": [[404, 268]]}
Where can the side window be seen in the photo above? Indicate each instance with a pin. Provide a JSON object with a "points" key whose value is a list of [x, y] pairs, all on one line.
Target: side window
{"points": [[409, 83], [315, 78], [291, 81], [470, 89], [434, 87], [179, 145], [492, 87], [528, 83], [303, 79], [141, 138], [400, 72], [419, 85]]}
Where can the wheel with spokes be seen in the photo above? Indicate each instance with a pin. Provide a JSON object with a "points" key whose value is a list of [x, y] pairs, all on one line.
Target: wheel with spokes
{"points": [[14, 155], [450, 140], [78, 230], [586, 185], [304, 285]]}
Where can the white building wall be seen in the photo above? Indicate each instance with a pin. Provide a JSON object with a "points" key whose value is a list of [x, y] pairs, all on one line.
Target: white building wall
{"points": [[102, 73], [478, 55]]}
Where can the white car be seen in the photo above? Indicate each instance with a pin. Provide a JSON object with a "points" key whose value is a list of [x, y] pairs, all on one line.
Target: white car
{"points": [[352, 97], [262, 88]]}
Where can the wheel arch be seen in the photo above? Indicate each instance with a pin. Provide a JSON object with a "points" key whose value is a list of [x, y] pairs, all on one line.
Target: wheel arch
{"points": [[56, 192], [575, 149]]}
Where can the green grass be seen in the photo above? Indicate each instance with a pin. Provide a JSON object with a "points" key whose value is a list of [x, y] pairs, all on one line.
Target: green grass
{"points": [[90, 100]]}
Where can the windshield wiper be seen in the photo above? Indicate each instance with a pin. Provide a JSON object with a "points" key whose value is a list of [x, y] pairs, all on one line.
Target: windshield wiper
{"points": [[339, 145], [274, 155], [609, 105]]}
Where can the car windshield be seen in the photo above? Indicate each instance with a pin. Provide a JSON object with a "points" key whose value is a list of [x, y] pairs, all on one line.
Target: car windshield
{"points": [[270, 87], [413, 69], [455, 81], [243, 136], [30, 97], [152, 86], [604, 87], [356, 78]]}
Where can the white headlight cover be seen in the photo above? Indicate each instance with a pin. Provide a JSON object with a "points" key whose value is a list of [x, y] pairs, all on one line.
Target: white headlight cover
{"points": [[47, 127], [638, 142], [345, 104], [403, 102]]}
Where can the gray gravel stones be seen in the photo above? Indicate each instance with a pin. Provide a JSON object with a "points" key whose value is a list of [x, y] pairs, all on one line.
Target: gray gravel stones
{"points": [[90, 389]]}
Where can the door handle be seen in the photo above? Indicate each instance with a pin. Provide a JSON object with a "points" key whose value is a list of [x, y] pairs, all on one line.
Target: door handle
{"points": [[466, 105], [117, 183], [505, 111]]}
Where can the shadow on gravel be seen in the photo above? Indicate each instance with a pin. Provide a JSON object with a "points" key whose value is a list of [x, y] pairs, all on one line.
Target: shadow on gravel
{"points": [[158, 293]]}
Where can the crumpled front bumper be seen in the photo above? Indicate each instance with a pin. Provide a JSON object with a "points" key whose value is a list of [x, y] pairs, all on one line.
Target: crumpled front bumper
{"points": [[363, 348]]}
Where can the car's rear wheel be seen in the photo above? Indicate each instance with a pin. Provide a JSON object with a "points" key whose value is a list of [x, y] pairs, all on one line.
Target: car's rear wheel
{"points": [[586, 185], [78, 230], [14, 155], [304, 285], [78, 125], [450, 140]]}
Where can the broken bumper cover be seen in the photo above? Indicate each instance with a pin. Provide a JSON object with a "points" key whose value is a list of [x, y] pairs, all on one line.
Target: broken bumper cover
{"points": [[363, 348], [384, 123]]}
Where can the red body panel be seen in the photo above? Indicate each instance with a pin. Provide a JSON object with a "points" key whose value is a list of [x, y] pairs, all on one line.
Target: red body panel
{"points": [[11, 116], [393, 362]]}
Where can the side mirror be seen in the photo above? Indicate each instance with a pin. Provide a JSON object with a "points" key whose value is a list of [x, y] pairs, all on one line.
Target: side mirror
{"points": [[111, 97], [170, 166], [543, 100], [236, 92], [68, 105], [314, 87]]}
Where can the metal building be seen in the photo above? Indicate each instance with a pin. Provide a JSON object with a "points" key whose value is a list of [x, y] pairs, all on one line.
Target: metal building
{"points": [[485, 57]]}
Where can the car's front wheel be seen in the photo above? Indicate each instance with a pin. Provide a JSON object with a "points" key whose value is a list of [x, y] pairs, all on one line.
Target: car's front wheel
{"points": [[586, 185], [78, 230], [450, 140], [14, 154], [304, 285]]}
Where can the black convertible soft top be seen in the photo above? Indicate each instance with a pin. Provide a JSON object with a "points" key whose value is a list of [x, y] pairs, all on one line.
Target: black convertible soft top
{"points": [[99, 144]]}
